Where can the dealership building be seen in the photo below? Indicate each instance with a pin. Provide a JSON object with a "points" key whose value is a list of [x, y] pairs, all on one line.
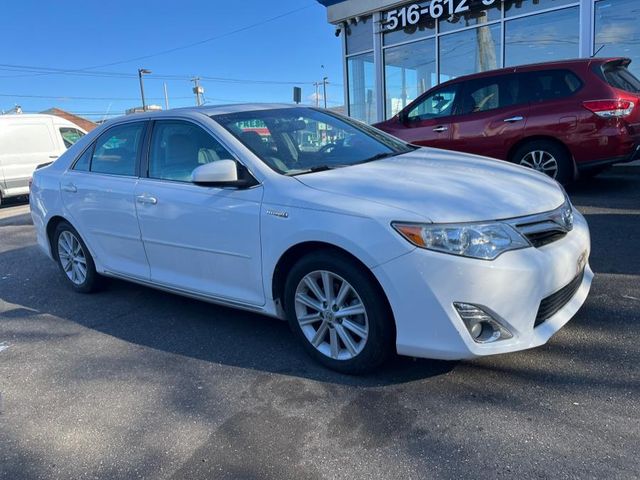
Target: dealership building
{"points": [[394, 51]]}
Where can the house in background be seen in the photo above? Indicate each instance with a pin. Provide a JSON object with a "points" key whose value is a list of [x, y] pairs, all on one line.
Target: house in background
{"points": [[86, 125]]}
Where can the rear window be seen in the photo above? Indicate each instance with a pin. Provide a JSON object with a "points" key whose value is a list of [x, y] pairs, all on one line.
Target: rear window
{"points": [[552, 84], [619, 77]]}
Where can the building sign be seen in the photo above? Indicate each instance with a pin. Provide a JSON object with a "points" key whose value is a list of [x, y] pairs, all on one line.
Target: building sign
{"points": [[416, 13]]}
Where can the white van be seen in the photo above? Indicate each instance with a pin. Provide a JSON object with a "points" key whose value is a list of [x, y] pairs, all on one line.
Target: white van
{"points": [[27, 141]]}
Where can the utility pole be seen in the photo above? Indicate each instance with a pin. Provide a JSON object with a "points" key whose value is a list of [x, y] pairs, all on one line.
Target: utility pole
{"points": [[324, 90], [141, 72], [316, 84], [166, 96], [198, 90]]}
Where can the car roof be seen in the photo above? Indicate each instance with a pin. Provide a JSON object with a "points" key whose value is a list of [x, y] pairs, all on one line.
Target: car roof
{"points": [[208, 110], [537, 66], [30, 117]]}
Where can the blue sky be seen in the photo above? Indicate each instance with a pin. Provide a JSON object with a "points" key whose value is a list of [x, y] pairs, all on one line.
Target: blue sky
{"points": [[300, 47]]}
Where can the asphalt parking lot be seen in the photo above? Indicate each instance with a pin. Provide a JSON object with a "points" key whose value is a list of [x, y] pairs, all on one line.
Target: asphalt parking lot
{"points": [[136, 383]]}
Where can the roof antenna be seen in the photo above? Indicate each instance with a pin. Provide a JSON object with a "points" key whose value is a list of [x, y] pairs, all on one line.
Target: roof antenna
{"points": [[598, 51]]}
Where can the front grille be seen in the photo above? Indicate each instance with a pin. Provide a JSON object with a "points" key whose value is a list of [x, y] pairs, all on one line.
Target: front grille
{"points": [[545, 228], [539, 239], [550, 305]]}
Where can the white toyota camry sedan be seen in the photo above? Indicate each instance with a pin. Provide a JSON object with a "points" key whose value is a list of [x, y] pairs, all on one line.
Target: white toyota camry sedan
{"points": [[365, 244]]}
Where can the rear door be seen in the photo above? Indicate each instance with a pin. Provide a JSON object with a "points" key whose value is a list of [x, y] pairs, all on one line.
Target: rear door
{"points": [[428, 121], [98, 194], [493, 116]]}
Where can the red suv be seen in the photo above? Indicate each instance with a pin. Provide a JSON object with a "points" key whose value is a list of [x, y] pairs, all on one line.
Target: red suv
{"points": [[560, 118]]}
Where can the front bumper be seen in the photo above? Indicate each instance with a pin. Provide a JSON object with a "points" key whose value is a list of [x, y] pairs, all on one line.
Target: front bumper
{"points": [[422, 287]]}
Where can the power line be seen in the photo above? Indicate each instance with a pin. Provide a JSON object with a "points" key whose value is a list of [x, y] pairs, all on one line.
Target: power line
{"points": [[126, 75], [66, 97], [175, 49]]}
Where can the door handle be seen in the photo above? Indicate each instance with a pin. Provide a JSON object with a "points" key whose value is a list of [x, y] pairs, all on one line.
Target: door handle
{"points": [[441, 128], [147, 199], [517, 118], [70, 187], [54, 156]]}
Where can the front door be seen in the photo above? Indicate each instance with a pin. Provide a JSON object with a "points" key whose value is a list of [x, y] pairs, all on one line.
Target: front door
{"points": [[98, 193], [199, 239], [427, 121]]}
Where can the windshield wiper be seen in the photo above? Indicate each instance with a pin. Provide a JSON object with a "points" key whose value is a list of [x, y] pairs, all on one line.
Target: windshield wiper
{"points": [[317, 168], [380, 156]]}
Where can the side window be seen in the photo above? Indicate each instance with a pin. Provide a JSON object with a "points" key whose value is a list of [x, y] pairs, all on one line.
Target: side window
{"points": [[177, 148], [438, 104], [481, 95], [486, 94], [70, 135], [83, 163], [117, 149], [552, 84]]}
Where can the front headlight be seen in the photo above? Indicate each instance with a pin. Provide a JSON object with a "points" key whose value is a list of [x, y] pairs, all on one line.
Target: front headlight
{"points": [[485, 241]]}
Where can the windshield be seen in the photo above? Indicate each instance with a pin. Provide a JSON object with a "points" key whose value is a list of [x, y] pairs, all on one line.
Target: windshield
{"points": [[299, 140]]}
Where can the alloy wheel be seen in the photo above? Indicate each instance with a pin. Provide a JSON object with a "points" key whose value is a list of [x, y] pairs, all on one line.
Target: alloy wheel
{"points": [[331, 315], [542, 161], [72, 257]]}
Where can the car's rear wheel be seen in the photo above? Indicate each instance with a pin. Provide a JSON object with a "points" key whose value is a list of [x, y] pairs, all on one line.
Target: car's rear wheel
{"points": [[339, 313], [546, 157], [74, 259]]}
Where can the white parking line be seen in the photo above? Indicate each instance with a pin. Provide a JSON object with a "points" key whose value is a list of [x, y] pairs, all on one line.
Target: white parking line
{"points": [[8, 212], [3, 346]]}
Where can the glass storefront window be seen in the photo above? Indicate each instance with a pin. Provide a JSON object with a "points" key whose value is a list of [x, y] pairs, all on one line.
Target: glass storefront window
{"points": [[362, 95], [542, 38], [475, 16], [618, 31], [469, 51], [409, 71], [520, 7], [425, 28], [360, 36]]}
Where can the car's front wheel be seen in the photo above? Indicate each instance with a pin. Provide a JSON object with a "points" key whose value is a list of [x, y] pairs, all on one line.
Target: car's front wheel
{"points": [[339, 313], [74, 259]]}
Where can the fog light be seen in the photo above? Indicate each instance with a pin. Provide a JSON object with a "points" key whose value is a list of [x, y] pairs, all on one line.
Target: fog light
{"points": [[476, 330], [482, 327]]}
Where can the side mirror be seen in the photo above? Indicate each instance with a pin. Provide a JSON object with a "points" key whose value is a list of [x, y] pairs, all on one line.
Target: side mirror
{"points": [[221, 173], [403, 118]]}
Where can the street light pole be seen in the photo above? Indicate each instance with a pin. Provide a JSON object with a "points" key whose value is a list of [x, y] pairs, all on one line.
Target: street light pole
{"points": [[141, 72], [324, 90]]}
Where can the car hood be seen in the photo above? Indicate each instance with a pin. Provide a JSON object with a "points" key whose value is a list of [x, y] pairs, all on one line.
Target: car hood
{"points": [[444, 186]]}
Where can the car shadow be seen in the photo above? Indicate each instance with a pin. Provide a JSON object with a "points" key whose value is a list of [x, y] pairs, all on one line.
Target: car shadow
{"points": [[611, 204], [182, 326], [14, 202]]}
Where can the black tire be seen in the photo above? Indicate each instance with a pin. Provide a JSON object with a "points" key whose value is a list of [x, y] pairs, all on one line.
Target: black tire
{"points": [[380, 341], [92, 279], [565, 170]]}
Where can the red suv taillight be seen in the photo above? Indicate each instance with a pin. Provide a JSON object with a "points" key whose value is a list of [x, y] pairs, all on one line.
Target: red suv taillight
{"points": [[610, 108]]}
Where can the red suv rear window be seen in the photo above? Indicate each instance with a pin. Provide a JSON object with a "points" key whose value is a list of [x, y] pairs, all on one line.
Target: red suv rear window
{"points": [[618, 76]]}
